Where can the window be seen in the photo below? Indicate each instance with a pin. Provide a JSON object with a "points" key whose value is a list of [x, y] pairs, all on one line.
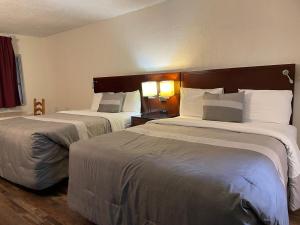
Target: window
{"points": [[20, 80]]}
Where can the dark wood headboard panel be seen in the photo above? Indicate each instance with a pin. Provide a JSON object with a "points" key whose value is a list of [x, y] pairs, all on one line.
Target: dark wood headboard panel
{"points": [[259, 77], [133, 83]]}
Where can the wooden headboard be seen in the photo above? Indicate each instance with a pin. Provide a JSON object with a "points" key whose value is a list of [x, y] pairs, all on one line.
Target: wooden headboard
{"points": [[259, 77], [133, 83]]}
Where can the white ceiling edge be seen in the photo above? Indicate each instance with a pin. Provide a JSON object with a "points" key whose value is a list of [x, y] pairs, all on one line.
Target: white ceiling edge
{"points": [[49, 17]]}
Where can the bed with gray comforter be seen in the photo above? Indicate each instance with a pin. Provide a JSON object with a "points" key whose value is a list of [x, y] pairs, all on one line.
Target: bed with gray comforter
{"points": [[168, 174], [34, 152]]}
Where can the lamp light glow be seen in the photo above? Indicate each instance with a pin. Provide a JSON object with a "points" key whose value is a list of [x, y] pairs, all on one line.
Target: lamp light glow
{"points": [[166, 89], [149, 89]]}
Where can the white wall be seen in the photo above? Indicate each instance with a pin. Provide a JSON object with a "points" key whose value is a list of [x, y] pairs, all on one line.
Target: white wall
{"points": [[39, 76], [38, 71]]}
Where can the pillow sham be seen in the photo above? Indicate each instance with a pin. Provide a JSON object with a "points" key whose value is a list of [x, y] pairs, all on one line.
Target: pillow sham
{"points": [[223, 107], [273, 106], [111, 102], [191, 103], [96, 102], [132, 102]]}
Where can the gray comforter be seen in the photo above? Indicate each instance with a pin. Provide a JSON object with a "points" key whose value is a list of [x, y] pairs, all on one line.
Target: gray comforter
{"points": [[35, 153], [131, 178]]}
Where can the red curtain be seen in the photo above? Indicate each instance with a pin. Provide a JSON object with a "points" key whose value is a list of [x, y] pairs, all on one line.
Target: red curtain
{"points": [[9, 96]]}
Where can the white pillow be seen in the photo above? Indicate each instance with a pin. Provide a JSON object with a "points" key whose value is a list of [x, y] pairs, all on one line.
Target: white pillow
{"points": [[191, 102], [96, 102], [132, 102], [273, 106]]}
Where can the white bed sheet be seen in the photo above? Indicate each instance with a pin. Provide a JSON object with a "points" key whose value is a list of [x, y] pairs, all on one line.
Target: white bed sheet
{"points": [[118, 121], [288, 130]]}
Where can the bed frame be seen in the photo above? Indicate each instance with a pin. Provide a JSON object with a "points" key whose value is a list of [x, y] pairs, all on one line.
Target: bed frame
{"points": [[259, 77]]}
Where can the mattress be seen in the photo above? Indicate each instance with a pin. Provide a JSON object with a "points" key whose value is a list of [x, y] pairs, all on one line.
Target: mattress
{"points": [[34, 150], [184, 171]]}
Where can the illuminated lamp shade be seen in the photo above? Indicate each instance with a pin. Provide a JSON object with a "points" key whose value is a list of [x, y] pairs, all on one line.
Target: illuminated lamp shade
{"points": [[149, 89], [166, 89]]}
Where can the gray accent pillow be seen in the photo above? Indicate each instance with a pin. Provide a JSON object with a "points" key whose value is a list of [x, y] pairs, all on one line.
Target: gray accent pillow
{"points": [[223, 107], [111, 102]]}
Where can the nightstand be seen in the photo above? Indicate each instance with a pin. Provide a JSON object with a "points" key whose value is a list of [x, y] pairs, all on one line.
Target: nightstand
{"points": [[144, 118]]}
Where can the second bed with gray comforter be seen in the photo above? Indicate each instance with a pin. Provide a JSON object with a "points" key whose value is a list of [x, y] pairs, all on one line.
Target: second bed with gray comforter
{"points": [[160, 174], [34, 151]]}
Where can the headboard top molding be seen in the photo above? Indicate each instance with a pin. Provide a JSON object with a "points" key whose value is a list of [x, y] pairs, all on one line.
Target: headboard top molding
{"points": [[232, 79]]}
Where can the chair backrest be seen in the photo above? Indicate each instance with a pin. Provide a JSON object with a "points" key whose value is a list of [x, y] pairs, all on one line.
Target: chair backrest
{"points": [[39, 107]]}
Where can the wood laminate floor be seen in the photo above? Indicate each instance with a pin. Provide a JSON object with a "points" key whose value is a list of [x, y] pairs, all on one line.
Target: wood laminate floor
{"points": [[19, 206], [24, 207]]}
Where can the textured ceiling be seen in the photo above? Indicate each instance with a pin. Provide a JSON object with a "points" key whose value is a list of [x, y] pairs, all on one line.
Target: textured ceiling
{"points": [[47, 17]]}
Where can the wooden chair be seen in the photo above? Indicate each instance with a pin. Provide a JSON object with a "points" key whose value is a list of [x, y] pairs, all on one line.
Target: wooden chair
{"points": [[39, 107]]}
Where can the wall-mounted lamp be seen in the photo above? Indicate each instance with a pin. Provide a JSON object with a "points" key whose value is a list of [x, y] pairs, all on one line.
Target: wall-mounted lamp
{"points": [[166, 90], [287, 74], [149, 90]]}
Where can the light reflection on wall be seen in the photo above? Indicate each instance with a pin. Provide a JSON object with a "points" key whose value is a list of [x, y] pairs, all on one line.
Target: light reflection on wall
{"points": [[166, 53], [161, 45]]}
